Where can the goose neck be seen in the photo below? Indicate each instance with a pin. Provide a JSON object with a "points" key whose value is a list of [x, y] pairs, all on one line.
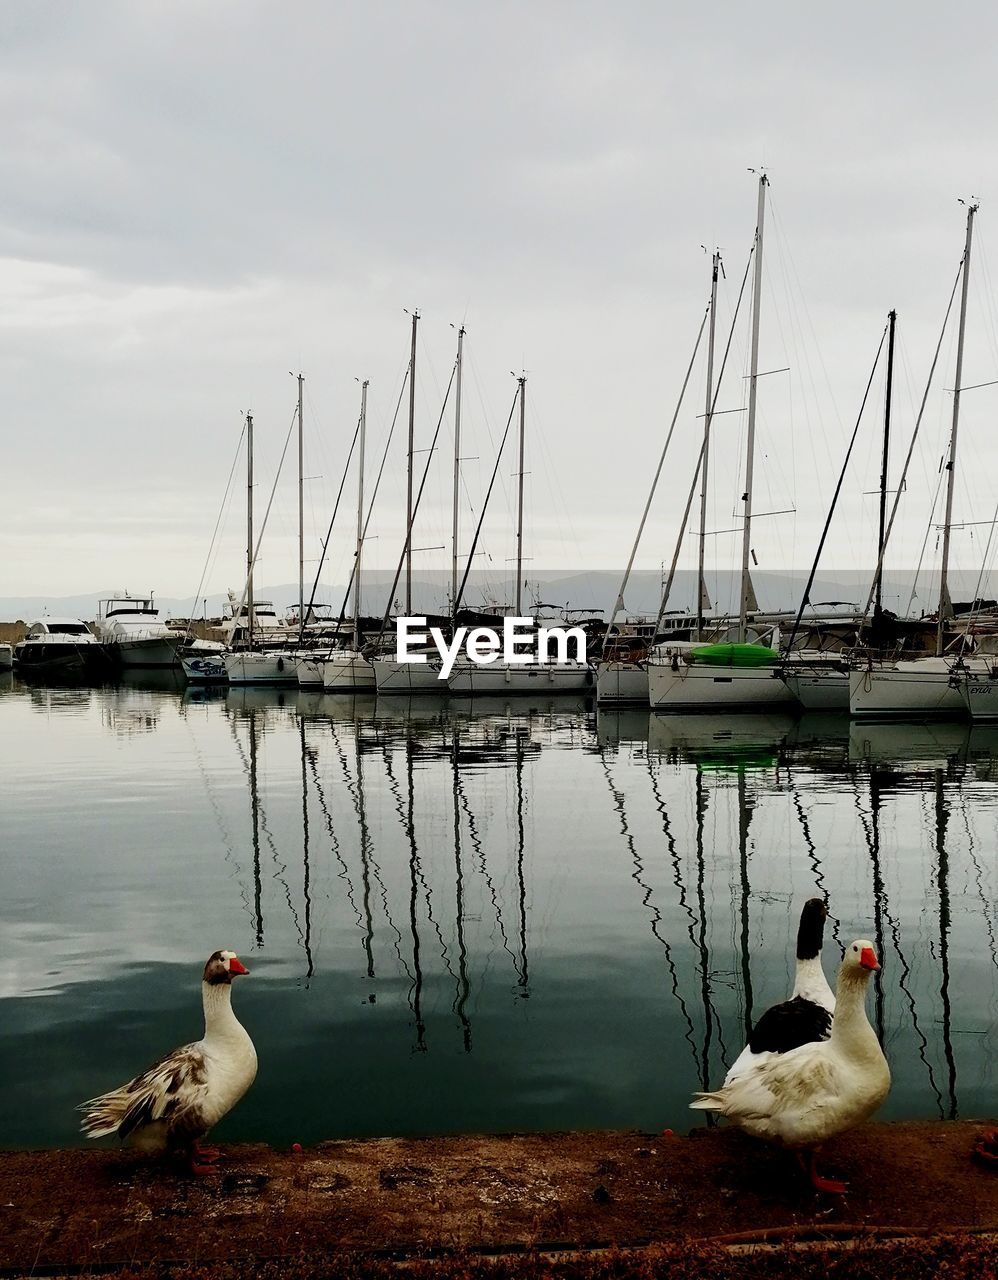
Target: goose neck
{"points": [[216, 998], [810, 975], [851, 1028]]}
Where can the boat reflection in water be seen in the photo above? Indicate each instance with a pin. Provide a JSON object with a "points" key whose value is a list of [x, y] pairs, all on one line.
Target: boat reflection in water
{"points": [[486, 914], [918, 744], [747, 740]]}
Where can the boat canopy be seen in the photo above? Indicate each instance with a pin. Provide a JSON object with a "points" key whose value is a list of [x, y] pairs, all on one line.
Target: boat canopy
{"points": [[58, 626], [129, 604]]}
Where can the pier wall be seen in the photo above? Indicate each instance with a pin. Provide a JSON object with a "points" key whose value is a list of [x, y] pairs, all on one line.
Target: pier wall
{"points": [[308, 1212]]}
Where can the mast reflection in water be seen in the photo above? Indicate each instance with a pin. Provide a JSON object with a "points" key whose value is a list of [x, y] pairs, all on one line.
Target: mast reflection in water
{"points": [[474, 916]]}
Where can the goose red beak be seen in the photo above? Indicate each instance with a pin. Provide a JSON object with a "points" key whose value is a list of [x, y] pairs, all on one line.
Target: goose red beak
{"points": [[237, 966], [868, 959]]}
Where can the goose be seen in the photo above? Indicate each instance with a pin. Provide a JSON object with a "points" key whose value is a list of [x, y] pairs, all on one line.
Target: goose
{"points": [[807, 1015], [801, 1098], [173, 1104]]}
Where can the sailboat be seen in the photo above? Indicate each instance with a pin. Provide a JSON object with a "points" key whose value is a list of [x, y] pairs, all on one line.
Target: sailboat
{"points": [[621, 672], [543, 675], [346, 669], [249, 665], [918, 687], [819, 680], [271, 665], [742, 675], [392, 676]]}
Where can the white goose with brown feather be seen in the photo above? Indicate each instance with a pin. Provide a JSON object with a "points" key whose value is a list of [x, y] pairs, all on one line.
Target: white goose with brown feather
{"points": [[173, 1104]]}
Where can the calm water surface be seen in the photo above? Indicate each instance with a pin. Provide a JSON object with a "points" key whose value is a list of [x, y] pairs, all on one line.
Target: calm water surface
{"points": [[474, 916]]}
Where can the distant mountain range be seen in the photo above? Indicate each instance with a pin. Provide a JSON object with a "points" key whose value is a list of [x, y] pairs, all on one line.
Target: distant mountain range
{"points": [[587, 591]]}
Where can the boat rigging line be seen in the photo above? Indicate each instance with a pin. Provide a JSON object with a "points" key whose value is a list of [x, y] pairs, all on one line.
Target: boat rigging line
{"points": [[329, 533], [806, 597], [667, 589], [374, 494], [406, 557], [911, 444], [488, 493], [214, 535], [618, 606], [266, 515]]}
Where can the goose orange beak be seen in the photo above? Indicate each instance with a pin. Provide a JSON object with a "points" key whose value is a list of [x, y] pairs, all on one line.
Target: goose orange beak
{"points": [[868, 959], [237, 966]]}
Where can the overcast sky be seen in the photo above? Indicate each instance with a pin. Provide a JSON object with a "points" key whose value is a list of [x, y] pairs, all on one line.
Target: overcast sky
{"points": [[200, 198]]}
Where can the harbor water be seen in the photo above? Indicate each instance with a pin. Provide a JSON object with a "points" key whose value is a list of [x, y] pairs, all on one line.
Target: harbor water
{"points": [[474, 916]]}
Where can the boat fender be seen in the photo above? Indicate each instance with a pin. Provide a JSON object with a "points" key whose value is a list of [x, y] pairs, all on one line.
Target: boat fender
{"points": [[280, 664], [675, 662]]}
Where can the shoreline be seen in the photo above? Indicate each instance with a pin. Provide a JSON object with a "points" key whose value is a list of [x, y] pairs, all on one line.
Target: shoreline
{"points": [[73, 1211]]}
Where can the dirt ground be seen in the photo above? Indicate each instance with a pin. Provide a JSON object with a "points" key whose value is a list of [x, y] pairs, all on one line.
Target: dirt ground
{"points": [[72, 1212]]}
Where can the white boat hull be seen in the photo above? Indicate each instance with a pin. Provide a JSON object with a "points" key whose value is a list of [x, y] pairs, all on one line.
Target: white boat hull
{"points": [[500, 679], [346, 670], [621, 682], [408, 677], [818, 690], [913, 689], [254, 667], [6, 657], [309, 673], [979, 692], [699, 688], [204, 668], [153, 651], [131, 633], [60, 654]]}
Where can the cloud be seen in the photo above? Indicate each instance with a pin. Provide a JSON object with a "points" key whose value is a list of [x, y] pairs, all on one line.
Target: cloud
{"points": [[200, 200]]}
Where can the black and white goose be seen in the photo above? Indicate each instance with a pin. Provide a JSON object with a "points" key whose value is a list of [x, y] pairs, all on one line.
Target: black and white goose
{"points": [[807, 1015], [173, 1104]]}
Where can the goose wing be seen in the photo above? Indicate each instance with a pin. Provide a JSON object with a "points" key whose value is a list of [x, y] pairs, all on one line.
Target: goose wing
{"points": [[782, 1028], [794, 1098], [171, 1091], [788, 1025]]}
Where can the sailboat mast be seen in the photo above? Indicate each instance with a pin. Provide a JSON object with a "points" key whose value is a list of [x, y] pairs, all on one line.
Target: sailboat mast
{"points": [[249, 532], [457, 469], [753, 381], [882, 536], [519, 499], [301, 514], [945, 607], [701, 584], [408, 482], [360, 516]]}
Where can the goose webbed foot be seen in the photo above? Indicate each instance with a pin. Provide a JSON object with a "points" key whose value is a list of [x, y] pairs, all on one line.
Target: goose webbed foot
{"points": [[986, 1147], [203, 1161], [830, 1186]]}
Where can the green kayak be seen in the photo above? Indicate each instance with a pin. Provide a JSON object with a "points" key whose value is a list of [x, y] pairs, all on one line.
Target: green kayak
{"points": [[734, 655]]}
